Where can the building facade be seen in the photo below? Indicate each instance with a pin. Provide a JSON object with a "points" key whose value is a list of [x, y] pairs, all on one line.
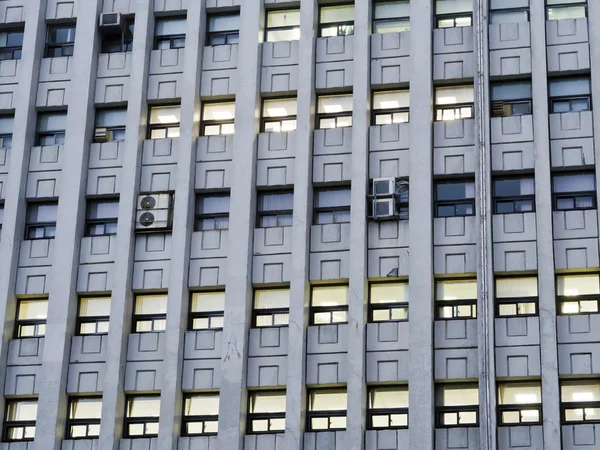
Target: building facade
{"points": [[285, 225]]}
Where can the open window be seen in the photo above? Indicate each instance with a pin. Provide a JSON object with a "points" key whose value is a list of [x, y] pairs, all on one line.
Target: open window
{"points": [[150, 313], [121, 39], [457, 405], [456, 299], [388, 302], [578, 294], [266, 412], [327, 409], [387, 408], [271, 307], [200, 414], [516, 296], [520, 403], [93, 315], [328, 305]]}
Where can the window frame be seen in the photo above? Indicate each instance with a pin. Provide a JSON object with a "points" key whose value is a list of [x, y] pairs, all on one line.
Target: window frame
{"points": [[124, 38], [44, 225], [454, 17], [379, 112], [566, 406], [251, 417], [277, 213], [16, 424], [208, 123], [555, 99], [59, 135], [388, 306], [171, 38], [441, 410], [282, 28], [377, 22], [6, 138], [337, 115], [441, 107], [317, 210], [514, 199], [152, 318], [338, 25], [16, 51], [145, 420], [313, 310], [210, 315], [269, 311], [583, 4], [279, 119], [509, 10], [227, 34], [389, 412], [455, 304], [310, 414], [499, 301], [66, 48], [163, 126], [115, 128], [35, 323], [561, 299], [81, 422], [457, 202], [517, 407], [202, 418], [90, 319], [557, 196], [199, 218], [95, 222]]}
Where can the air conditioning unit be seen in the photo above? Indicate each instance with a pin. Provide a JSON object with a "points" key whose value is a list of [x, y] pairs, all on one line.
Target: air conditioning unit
{"points": [[500, 109], [383, 208], [110, 21], [153, 212], [100, 134], [383, 186]]}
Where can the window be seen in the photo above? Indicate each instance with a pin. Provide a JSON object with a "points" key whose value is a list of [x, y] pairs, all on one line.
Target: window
{"points": [[390, 17], [283, 25], [456, 299], [516, 297], [573, 192], [271, 307], [334, 111], [19, 421], [31, 318], [566, 9], [169, 33], [332, 206], [329, 304], [11, 44], [266, 412], [110, 125], [520, 403], [102, 217], [141, 416], [275, 209], [41, 220], [84, 417], [120, 40], [578, 294], [514, 195], [212, 212], [51, 128], [336, 20], [453, 103], [60, 40], [218, 119], [457, 405], [509, 16], [390, 107], [150, 313], [93, 315], [6, 129], [201, 414], [1, 215], [388, 302], [326, 409], [453, 13], [511, 99], [455, 199], [580, 401], [570, 95], [164, 122], [223, 29], [388, 408], [279, 116], [206, 310]]}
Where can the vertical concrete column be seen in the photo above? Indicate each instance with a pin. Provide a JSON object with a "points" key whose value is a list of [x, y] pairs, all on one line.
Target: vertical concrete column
{"points": [[420, 279], [358, 285], [295, 413], [62, 303], [545, 247], [113, 406], [238, 284], [594, 40], [485, 268], [183, 225], [23, 139]]}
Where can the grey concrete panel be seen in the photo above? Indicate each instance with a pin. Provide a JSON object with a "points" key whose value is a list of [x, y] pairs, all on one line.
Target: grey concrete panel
{"points": [[55, 69], [518, 362], [277, 145], [114, 64], [38, 252], [567, 31], [576, 253], [330, 237], [390, 164], [387, 366], [43, 185], [88, 348], [336, 48], [282, 80], [22, 380], [514, 227], [325, 440], [513, 156], [209, 244], [104, 181], [203, 344], [390, 45], [214, 148], [220, 57], [390, 72], [387, 234], [164, 87], [201, 374], [220, 83], [572, 152], [213, 175], [271, 268], [264, 442], [453, 66], [95, 277], [456, 364], [160, 151], [568, 58], [268, 341], [571, 125], [386, 439], [143, 376], [148, 275], [112, 90], [275, 240], [451, 259], [333, 141], [86, 378], [4, 160], [267, 371], [387, 336], [53, 95], [46, 158], [453, 160], [323, 339], [329, 266], [529, 437], [327, 369], [576, 437], [207, 272], [512, 129], [454, 230], [58, 9], [80, 444], [457, 438], [578, 359], [198, 443], [12, 11], [454, 133], [575, 224], [282, 53], [145, 347], [509, 35], [455, 334], [97, 249], [578, 328], [166, 61], [510, 62], [172, 5], [515, 256], [515, 331], [452, 40], [337, 74], [25, 351], [158, 178], [141, 443], [275, 172], [382, 262], [389, 137], [152, 246]]}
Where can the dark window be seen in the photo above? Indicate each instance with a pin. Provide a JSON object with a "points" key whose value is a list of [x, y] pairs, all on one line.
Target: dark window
{"points": [[223, 29], [329, 304], [271, 307], [334, 111], [275, 209], [1, 215], [519, 403], [513, 15], [454, 199], [11, 44], [516, 297], [169, 33], [120, 40], [574, 192], [110, 124], [580, 401], [570, 95], [454, 102], [566, 9], [450, 14], [332, 206], [388, 408], [31, 318], [164, 122], [390, 17], [283, 25], [150, 313], [212, 212], [41, 220], [51, 128], [578, 294], [84, 417], [279, 116], [456, 299], [336, 20], [457, 405], [19, 420], [102, 216], [141, 416], [266, 412], [218, 118], [60, 40], [390, 107], [514, 195], [93, 315], [207, 310], [200, 414], [326, 410], [6, 130], [388, 302], [511, 99]]}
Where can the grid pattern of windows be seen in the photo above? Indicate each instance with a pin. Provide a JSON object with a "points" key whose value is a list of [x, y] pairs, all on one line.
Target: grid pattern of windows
{"points": [[390, 107], [580, 401]]}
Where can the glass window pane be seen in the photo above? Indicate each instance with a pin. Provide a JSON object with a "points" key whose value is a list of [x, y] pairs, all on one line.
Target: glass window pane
{"points": [[86, 408], [272, 299], [516, 287], [332, 198], [267, 402], [33, 309], [164, 115], [23, 410], [285, 18], [6, 125], [170, 27], [280, 108], [456, 290], [454, 95], [111, 117], [389, 293], [511, 91], [569, 87], [453, 6], [580, 391], [391, 10], [151, 304], [224, 22], [572, 12], [574, 183], [498, 17], [390, 100], [52, 122], [213, 204], [388, 397], [143, 407], [328, 400], [336, 14], [208, 301], [94, 306], [219, 111], [103, 209], [329, 296], [276, 201], [460, 395], [519, 394], [332, 104], [578, 285], [202, 405]]}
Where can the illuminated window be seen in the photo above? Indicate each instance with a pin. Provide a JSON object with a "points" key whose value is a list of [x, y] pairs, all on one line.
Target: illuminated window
{"points": [[201, 414], [334, 111], [19, 420], [84, 417], [266, 412], [93, 316], [578, 294], [388, 302], [218, 119], [390, 107], [336, 20], [326, 409], [207, 310], [279, 116], [150, 313], [283, 25], [388, 407], [457, 405], [520, 403], [516, 297], [329, 304], [164, 122], [454, 102], [31, 318], [141, 416], [456, 299], [271, 307], [580, 401]]}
